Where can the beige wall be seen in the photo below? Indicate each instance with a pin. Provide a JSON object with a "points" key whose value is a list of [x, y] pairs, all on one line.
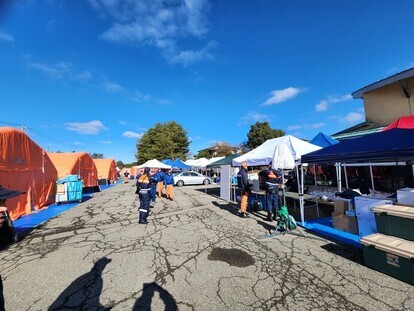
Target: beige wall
{"points": [[386, 104]]}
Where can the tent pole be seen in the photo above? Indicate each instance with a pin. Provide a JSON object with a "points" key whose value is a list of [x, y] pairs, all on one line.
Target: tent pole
{"points": [[339, 176], [302, 203], [372, 177], [346, 178], [283, 188]]}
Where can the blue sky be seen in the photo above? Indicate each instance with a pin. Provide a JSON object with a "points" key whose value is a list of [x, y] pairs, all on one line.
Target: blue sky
{"points": [[93, 75]]}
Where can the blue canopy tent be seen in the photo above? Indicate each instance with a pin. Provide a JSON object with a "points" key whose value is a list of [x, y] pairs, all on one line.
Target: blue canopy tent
{"points": [[323, 140], [180, 165], [168, 162], [393, 145]]}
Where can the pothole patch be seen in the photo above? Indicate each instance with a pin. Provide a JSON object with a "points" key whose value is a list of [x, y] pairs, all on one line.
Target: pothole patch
{"points": [[234, 257]]}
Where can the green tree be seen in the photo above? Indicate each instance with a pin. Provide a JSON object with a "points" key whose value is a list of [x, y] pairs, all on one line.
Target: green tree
{"points": [[120, 164], [260, 132], [164, 140], [203, 154], [96, 155]]}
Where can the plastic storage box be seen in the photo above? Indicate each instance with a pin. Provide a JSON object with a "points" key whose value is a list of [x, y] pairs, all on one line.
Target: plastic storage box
{"points": [[395, 220], [405, 196], [390, 255]]}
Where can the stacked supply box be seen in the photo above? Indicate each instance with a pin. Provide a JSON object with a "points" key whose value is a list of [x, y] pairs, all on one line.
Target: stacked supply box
{"points": [[405, 196], [390, 255], [343, 216], [69, 189], [395, 220], [365, 215]]}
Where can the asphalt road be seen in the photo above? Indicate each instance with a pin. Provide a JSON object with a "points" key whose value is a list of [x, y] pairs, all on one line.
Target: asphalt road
{"points": [[195, 254]]}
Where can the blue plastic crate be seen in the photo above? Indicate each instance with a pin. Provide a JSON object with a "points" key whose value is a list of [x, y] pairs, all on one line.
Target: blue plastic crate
{"points": [[75, 196]]}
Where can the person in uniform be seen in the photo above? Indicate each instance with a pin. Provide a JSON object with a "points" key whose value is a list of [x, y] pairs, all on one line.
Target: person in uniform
{"points": [[169, 184], [159, 175], [144, 183], [244, 186], [273, 180]]}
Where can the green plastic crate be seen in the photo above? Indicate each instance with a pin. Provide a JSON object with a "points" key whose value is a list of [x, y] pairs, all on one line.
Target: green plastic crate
{"points": [[390, 255], [395, 220]]}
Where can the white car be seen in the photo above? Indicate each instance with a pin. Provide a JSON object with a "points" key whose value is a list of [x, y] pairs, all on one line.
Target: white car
{"points": [[190, 178]]}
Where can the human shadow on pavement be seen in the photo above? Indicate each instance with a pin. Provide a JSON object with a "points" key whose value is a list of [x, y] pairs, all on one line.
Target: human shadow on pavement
{"points": [[144, 302], [84, 292], [348, 252], [230, 207]]}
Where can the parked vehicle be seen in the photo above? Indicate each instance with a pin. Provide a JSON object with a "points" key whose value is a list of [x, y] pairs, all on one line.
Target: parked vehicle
{"points": [[190, 178]]}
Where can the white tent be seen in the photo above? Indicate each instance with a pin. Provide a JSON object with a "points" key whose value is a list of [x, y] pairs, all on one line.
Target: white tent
{"points": [[263, 154], [202, 162], [154, 163]]}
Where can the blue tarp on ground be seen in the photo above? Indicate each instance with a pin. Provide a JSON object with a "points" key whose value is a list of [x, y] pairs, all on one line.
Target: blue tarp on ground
{"points": [[27, 223], [391, 146], [323, 140]]}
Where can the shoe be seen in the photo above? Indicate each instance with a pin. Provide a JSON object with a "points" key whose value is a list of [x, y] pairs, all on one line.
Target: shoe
{"points": [[243, 215], [269, 216], [143, 222]]}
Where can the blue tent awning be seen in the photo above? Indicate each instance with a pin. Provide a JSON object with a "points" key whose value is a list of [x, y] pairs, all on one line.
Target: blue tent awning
{"points": [[323, 140], [387, 146], [180, 164]]}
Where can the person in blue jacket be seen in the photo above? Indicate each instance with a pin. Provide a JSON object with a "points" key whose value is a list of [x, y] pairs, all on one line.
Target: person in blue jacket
{"points": [[169, 185], [159, 175], [144, 182]]}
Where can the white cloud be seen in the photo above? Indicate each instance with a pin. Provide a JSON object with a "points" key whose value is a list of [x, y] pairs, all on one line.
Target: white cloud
{"points": [[6, 37], [353, 117], [190, 57], [305, 126], [323, 105], [113, 87], [61, 70], [139, 97], [129, 134], [123, 123], [158, 23], [253, 117], [88, 128], [77, 143], [279, 96], [105, 142], [294, 127]]}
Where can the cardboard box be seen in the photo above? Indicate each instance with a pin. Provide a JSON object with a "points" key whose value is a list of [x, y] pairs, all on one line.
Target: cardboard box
{"points": [[405, 196], [341, 205], [344, 223]]}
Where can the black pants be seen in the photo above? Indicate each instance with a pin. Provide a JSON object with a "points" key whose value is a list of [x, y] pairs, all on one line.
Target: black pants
{"points": [[1, 295]]}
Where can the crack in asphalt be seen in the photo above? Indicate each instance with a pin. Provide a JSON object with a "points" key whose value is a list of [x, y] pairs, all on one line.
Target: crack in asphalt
{"points": [[289, 272]]}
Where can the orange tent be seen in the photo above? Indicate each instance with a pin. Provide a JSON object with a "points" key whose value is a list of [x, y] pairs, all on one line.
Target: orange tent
{"points": [[25, 166], [76, 163], [106, 169], [134, 171]]}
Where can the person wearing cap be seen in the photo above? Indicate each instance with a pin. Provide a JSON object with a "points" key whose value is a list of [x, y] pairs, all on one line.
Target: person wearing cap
{"points": [[169, 184], [273, 180], [4, 195], [144, 183], [244, 186]]}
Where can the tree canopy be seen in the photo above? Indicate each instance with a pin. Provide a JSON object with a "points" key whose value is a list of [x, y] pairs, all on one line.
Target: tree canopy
{"points": [[260, 132], [164, 140]]}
